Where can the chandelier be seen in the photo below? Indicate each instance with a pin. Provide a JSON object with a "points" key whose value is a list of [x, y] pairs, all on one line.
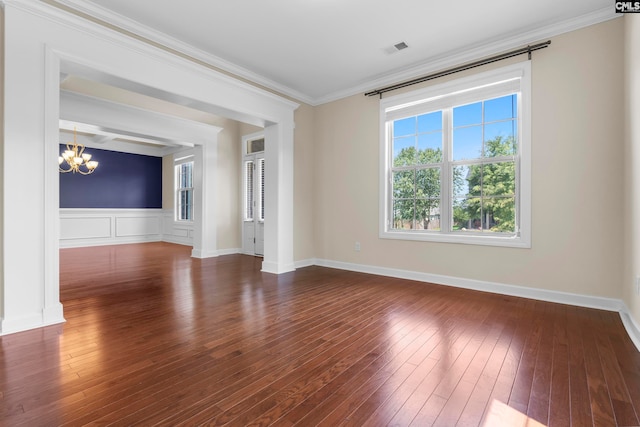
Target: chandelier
{"points": [[75, 158]]}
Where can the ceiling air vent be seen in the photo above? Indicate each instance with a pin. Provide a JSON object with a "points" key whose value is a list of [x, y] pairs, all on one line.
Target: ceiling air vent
{"points": [[401, 45], [395, 48]]}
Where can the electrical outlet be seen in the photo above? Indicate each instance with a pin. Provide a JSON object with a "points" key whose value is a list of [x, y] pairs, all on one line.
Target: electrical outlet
{"points": [[638, 285], [356, 247]]}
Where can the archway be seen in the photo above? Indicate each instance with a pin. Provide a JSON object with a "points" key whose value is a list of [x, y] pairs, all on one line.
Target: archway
{"points": [[30, 293]]}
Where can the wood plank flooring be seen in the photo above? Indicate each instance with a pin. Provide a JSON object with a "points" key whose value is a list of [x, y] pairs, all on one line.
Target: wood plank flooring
{"points": [[154, 337]]}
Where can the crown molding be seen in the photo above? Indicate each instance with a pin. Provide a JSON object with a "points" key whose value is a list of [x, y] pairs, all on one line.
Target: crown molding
{"points": [[474, 53], [140, 30], [430, 65], [55, 13]]}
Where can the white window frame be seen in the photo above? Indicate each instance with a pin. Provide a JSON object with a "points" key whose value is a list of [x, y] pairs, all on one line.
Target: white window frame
{"points": [[478, 87], [177, 164]]}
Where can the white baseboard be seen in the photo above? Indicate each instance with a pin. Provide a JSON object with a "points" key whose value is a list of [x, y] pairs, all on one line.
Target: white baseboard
{"points": [[53, 314], [199, 253], [25, 323], [306, 263], [230, 251], [211, 254], [276, 268], [82, 243], [631, 326], [177, 240], [588, 301]]}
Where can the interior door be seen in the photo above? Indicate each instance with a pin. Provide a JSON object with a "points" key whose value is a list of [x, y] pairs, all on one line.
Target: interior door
{"points": [[253, 221]]}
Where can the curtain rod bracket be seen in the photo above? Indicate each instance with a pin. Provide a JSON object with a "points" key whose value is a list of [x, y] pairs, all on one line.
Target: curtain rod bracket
{"points": [[529, 51]]}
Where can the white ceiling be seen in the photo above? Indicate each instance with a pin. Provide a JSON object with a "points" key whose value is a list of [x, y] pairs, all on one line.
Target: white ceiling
{"points": [[321, 50]]}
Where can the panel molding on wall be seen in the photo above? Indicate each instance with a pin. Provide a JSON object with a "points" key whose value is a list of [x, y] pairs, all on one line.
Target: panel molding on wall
{"points": [[95, 227], [85, 227], [176, 232], [129, 226]]}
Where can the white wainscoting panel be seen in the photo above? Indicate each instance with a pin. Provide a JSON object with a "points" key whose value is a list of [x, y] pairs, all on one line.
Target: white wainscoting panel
{"points": [[174, 231], [95, 227], [98, 227], [127, 226]]}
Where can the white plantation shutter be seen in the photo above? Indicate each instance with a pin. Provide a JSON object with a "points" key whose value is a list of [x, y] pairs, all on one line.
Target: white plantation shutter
{"points": [[261, 166], [248, 185]]}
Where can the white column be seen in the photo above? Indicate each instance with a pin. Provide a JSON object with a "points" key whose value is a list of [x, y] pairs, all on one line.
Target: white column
{"points": [[205, 168], [52, 311], [278, 221]]}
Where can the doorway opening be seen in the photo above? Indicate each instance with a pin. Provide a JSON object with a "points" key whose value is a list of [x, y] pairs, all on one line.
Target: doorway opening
{"points": [[253, 167]]}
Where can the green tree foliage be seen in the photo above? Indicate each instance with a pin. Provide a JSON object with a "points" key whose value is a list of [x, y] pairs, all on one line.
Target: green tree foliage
{"points": [[491, 197], [485, 192], [416, 191], [461, 214]]}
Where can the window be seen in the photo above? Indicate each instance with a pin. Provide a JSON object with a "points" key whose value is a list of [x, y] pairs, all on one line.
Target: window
{"points": [[184, 191], [455, 161], [255, 145]]}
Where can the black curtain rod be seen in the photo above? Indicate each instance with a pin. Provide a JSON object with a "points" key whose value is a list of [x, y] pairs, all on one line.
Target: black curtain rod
{"points": [[511, 54]]}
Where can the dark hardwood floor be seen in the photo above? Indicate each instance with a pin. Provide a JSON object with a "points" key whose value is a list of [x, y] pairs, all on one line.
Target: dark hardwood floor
{"points": [[154, 337]]}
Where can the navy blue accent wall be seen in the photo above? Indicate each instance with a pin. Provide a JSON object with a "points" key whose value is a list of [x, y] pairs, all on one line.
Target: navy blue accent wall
{"points": [[122, 180]]}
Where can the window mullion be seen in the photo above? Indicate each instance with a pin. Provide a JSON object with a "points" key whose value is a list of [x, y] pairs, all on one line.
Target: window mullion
{"points": [[446, 173], [390, 189]]}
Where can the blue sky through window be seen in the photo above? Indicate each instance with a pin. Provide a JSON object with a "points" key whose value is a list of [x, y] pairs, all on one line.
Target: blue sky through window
{"points": [[470, 130], [500, 115], [421, 132]]}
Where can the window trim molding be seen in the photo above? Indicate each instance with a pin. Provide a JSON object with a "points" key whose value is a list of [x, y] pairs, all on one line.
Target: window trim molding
{"points": [[178, 162], [462, 90]]}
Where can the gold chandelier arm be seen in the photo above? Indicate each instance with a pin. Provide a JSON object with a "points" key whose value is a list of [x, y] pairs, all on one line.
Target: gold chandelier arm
{"points": [[86, 173], [65, 171]]}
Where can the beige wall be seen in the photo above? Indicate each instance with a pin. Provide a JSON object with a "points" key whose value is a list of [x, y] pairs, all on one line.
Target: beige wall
{"points": [[632, 164], [577, 195], [247, 129], [228, 186]]}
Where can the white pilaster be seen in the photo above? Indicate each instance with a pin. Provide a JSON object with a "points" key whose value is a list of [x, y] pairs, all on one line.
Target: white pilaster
{"points": [[205, 168], [278, 218]]}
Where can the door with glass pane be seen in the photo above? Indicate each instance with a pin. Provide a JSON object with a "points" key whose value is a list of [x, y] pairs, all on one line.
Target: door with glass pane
{"points": [[253, 209]]}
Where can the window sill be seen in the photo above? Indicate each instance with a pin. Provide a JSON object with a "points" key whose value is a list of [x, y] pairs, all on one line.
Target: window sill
{"points": [[466, 239]]}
